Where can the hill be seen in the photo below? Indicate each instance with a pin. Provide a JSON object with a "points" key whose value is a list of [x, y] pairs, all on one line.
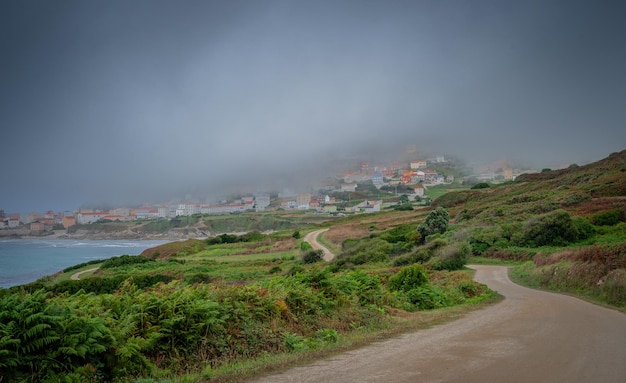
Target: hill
{"points": [[569, 225], [581, 190]]}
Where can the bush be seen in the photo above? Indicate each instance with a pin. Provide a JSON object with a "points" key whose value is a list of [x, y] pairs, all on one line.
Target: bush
{"points": [[552, 229], [408, 278], [422, 254], [124, 260], [366, 250], [481, 185], [313, 256], [452, 257], [403, 233], [609, 218], [436, 223]]}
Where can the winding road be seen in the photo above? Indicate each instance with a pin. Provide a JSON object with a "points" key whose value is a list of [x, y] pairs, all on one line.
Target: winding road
{"points": [[312, 239], [531, 336], [76, 276]]}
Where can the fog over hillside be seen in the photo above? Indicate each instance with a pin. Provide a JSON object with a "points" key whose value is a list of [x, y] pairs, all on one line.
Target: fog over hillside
{"points": [[124, 102]]}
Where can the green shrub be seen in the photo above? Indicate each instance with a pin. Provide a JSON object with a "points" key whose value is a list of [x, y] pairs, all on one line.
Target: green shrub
{"points": [[452, 257], [312, 256], [366, 250], [481, 185], [421, 254], [403, 233], [552, 229], [609, 218], [408, 278], [124, 260], [426, 298], [435, 223]]}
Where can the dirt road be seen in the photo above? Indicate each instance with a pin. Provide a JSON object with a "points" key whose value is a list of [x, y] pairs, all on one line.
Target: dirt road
{"points": [[76, 276], [312, 239], [531, 336]]}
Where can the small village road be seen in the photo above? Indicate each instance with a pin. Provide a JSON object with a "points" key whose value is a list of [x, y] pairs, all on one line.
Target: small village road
{"points": [[530, 336], [312, 239], [76, 276]]}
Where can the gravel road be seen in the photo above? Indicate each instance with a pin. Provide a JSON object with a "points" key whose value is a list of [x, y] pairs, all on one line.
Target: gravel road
{"points": [[531, 336], [76, 276], [312, 239]]}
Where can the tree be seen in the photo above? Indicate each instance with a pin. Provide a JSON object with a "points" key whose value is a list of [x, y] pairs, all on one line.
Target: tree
{"points": [[404, 199], [436, 223]]}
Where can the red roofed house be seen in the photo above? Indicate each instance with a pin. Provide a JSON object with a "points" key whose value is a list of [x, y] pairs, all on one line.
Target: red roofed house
{"points": [[14, 222]]}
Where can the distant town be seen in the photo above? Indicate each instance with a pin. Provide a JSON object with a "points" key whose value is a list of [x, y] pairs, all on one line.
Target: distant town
{"points": [[411, 178]]}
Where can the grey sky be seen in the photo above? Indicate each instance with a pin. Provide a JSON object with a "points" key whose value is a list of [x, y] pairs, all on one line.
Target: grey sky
{"points": [[125, 101]]}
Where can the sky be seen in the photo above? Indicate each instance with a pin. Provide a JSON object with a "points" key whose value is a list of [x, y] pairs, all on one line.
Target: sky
{"points": [[123, 102]]}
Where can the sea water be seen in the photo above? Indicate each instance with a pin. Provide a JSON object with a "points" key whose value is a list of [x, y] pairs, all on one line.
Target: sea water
{"points": [[26, 260]]}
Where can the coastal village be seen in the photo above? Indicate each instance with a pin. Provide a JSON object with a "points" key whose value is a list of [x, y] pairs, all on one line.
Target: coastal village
{"points": [[410, 178]]}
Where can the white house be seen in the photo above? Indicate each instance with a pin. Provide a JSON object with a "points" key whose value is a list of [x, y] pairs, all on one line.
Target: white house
{"points": [[419, 190], [83, 218], [261, 201], [14, 222]]}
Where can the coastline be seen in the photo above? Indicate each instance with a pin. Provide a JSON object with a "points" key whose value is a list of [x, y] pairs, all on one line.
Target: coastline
{"points": [[18, 234]]}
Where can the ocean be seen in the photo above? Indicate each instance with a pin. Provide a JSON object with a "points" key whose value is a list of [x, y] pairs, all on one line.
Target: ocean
{"points": [[26, 260]]}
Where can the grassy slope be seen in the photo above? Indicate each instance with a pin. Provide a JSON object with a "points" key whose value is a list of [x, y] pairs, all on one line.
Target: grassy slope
{"points": [[594, 268]]}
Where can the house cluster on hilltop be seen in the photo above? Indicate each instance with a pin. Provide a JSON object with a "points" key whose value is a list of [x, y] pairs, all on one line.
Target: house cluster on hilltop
{"points": [[415, 172]]}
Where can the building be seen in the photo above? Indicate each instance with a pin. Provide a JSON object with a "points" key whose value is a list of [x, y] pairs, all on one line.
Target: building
{"points": [[378, 180], [224, 208], [419, 190], [162, 211], [349, 187], [303, 200], [418, 164], [68, 220], [14, 222], [37, 226], [368, 207], [261, 201], [83, 218], [123, 212]]}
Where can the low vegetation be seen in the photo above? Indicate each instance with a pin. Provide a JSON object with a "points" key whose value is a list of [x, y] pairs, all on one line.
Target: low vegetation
{"points": [[195, 310], [191, 309]]}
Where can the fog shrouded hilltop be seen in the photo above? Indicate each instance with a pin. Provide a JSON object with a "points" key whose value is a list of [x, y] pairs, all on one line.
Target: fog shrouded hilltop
{"points": [[123, 102]]}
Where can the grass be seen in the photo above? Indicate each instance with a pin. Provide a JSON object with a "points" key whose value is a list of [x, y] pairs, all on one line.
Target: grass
{"points": [[437, 191]]}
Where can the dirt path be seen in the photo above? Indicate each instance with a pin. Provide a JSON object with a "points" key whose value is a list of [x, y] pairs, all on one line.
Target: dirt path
{"points": [[531, 336], [76, 276], [312, 239]]}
